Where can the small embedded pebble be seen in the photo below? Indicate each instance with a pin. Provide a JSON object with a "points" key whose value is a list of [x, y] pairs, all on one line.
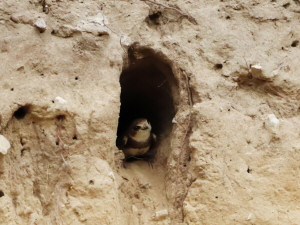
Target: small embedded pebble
{"points": [[60, 100], [60, 103], [249, 216], [40, 25], [126, 41], [260, 73], [4, 145], [161, 214], [112, 175], [134, 209], [272, 123], [174, 121]]}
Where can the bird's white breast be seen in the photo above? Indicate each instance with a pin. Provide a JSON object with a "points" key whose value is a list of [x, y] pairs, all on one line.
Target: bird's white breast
{"points": [[141, 136]]}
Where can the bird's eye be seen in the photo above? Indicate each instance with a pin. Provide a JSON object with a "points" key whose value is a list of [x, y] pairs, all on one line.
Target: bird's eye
{"points": [[136, 127]]}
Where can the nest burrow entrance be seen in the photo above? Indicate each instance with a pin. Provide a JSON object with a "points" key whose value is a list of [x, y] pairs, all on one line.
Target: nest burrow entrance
{"points": [[148, 90]]}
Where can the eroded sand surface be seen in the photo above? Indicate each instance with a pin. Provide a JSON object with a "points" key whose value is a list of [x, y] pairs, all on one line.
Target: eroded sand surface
{"points": [[226, 160]]}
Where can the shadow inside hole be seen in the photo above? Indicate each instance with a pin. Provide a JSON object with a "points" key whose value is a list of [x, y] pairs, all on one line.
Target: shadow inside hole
{"points": [[154, 18], [1, 193], [295, 43], [148, 90], [21, 112]]}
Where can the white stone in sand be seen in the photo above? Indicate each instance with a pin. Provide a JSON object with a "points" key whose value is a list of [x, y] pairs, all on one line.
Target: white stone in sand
{"points": [[40, 25], [4, 145], [261, 73], [272, 123], [161, 214]]}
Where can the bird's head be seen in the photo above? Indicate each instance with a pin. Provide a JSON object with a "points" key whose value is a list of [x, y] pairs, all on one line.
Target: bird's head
{"points": [[140, 129]]}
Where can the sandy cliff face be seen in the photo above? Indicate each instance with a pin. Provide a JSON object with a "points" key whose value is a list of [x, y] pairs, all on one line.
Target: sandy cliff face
{"points": [[221, 69]]}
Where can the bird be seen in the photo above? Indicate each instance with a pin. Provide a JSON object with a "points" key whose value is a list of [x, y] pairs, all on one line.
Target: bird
{"points": [[138, 141]]}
